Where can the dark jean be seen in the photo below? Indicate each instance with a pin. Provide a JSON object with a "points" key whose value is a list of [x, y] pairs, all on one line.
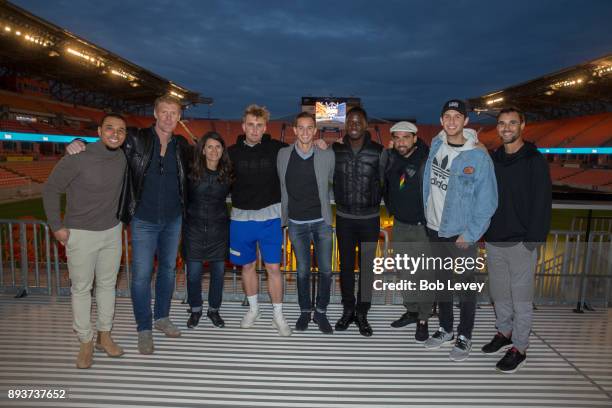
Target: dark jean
{"points": [[467, 301], [150, 239], [320, 234], [194, 285], [350, 233]]}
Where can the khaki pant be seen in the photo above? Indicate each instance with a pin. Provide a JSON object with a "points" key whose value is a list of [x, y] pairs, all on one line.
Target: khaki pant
{"points": [[93, 254]]}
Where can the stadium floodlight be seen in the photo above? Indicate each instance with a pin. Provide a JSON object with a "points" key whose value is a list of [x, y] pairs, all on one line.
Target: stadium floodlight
{"points": [[7, 29], [17, 32], [121, 73], [496, 100], [89, 58], [567, 83], [176, 94], [602, 70], [36, 40]]}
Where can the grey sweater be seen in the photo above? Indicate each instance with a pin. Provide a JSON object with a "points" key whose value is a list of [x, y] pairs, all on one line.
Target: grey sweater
{"points": [[92, 181]]}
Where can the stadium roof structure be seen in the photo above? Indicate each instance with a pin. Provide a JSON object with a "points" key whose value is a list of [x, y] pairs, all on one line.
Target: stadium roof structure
{"points": [[79, 71], [579, 90]]}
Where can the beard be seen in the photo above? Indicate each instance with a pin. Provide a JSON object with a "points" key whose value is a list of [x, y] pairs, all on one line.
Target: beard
{"points": [[513, 139]]}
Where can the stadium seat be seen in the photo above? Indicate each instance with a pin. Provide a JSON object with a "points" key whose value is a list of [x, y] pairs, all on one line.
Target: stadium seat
{"points": [[592, 179], [597, 135], [568, 129]]}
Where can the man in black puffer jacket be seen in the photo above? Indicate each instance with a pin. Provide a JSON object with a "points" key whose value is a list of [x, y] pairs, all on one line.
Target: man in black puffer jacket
{"points": [[357, 191]]}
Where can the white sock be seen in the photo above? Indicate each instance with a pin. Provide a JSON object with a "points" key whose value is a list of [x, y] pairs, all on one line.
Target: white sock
{"points": [[253, 303], [278, 310]]}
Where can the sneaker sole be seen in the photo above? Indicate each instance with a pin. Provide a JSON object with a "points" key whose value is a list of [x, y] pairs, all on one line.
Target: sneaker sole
{"points": [[518, 367], [401, 325], [459, 359], [245, 326], [444, 343]]}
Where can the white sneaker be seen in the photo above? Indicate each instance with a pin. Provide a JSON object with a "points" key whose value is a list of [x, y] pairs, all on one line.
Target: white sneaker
{"points": [[250, 318], [281, 325]]}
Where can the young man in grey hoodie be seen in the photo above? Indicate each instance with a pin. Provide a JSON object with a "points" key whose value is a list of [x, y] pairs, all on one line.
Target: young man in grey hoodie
{"points": [[460, 197]]}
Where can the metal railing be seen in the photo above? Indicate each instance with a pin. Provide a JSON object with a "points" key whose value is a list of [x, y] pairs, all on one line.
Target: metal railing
{"points": [[569, 269], [25, 256]]}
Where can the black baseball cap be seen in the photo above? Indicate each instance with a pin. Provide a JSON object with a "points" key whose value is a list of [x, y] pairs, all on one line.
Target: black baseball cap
{"points": [[456, 105]]}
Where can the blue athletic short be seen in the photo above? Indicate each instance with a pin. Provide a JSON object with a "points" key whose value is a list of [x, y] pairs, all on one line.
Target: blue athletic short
{"points": [[244, 236]]}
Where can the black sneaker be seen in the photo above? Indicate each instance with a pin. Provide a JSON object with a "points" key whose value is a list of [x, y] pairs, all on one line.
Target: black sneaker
{"points": [[215, 318], [302, 321], [321, 320], [512, 361], [194, 319], [348, 317], [405, 319], [422, 332], [361, 319], [496, 344]]}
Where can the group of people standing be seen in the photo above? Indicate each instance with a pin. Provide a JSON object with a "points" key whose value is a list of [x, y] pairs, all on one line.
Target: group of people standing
{"points": [[166, 189]]}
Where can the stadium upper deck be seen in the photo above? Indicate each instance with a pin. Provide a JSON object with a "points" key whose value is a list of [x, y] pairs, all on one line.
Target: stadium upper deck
{"points": [[56, 83], [75, 70]]}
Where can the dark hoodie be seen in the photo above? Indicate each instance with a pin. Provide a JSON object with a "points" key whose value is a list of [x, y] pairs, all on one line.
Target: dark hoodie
{"points": [[256, 183], [525, 197], [404, 184]]}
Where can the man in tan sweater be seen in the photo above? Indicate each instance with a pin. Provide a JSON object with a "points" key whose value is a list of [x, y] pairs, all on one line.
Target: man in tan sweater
{"points": [[91, 231]]}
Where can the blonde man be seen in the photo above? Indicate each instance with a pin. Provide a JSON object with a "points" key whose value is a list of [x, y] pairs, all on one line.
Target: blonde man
{"points": [[256, 213], [155, 204]]}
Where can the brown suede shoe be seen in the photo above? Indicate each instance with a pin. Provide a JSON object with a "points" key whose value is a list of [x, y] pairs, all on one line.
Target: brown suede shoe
{"points": [[106, 343], [85, 357]]}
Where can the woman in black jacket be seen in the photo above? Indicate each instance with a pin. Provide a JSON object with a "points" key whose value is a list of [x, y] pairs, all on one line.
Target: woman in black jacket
{"points": [[206, 227]]}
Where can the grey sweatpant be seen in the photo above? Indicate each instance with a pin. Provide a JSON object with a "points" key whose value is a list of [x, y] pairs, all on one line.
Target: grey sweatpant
{"points": [[414, 302], [511, 281]]}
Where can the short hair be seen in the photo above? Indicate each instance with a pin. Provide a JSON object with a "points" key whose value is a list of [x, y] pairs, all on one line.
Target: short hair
{"points": [[112, 115], [510, 109], [304, 115], [359, 110], [257, 111], [167, 98]]}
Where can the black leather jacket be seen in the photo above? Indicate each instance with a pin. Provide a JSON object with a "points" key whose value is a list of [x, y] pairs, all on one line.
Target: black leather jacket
{"points": [[358, 177], [138, 148]]}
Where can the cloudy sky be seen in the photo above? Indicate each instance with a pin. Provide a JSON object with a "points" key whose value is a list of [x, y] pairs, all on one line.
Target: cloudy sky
{"points": [[403, 58]]}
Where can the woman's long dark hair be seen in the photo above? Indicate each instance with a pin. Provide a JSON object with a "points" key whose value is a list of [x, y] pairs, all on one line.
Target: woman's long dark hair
{"points": [[198, 165]]}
